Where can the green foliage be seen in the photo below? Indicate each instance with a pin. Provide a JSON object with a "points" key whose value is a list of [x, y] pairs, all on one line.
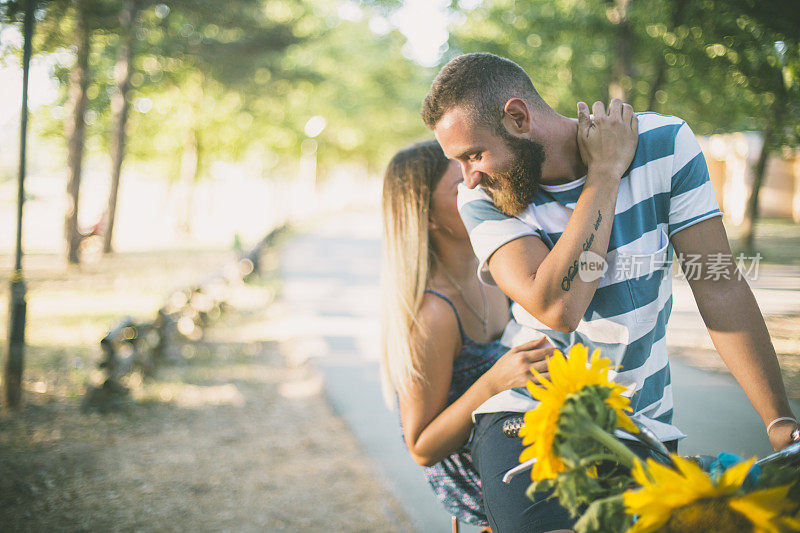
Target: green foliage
{"points": [[340, 70], [714, 63], [601, 514], [576, 490], [240, 82], [195, 68], [371, 93], [564, 45], [723, 65]]}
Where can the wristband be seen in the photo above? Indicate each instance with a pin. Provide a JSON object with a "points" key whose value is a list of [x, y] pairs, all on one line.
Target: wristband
{"points": [[781, 419]]}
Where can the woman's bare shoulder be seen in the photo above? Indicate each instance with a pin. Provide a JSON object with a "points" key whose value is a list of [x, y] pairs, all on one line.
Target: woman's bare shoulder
{"points": [[437, 320]]}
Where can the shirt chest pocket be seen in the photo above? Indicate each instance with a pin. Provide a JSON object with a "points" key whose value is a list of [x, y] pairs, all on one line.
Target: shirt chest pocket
{"points": [[641, 267]]}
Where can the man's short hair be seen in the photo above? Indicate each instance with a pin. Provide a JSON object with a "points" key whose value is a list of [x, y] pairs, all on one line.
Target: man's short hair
{"points": [[481, 83]]}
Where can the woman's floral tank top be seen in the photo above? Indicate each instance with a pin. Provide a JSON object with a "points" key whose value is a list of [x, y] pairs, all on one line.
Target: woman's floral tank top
{"points": [[454, 479]]}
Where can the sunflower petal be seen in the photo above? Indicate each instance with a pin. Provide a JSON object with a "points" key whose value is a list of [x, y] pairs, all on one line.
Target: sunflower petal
{"points": [[762, 506], [526, 454], [559, 371], [734, 476], [694, 475], [626, 423], [640, 474]]}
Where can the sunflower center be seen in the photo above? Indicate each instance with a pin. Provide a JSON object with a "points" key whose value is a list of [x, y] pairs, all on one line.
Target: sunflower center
{"points": [[707, 515]]}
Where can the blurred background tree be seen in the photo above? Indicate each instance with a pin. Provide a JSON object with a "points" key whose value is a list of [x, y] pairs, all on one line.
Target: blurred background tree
{"points": [[208, 84], [712, 63], [240, 83]]}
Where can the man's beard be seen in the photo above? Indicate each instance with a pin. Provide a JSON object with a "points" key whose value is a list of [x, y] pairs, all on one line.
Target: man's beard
{"points": [[512, 189]]}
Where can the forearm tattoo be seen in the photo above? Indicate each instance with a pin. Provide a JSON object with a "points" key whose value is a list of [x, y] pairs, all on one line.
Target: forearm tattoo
{"points": [[597, 222], [566, 282]]}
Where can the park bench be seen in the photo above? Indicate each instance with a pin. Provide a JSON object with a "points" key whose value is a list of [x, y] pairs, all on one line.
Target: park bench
{"points": [[142, 346]]}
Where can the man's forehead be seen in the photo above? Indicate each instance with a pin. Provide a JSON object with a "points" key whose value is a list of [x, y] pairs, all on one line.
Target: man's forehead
{"points": [[456, 133], [455, 117]]}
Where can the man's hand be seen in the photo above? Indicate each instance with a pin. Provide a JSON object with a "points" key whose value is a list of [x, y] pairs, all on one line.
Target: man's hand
{"points": [[544, 281], [607, 141], [741, 338]]}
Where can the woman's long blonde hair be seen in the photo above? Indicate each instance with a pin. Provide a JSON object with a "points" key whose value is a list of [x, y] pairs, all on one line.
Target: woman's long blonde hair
{"points": [[408, 184]]}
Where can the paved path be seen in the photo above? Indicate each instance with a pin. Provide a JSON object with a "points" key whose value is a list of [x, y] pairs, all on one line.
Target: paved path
{"points": [[330, 275]]}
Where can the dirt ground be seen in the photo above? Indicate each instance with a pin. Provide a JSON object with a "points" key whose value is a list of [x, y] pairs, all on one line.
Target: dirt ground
{"points": [[229, 438]]}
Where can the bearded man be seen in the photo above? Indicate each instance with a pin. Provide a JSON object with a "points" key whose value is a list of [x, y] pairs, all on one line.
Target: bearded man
{"points": [[546, 199]]}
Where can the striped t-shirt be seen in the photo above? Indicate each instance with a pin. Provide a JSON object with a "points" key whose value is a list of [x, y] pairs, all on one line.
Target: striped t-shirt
{"points": [[666, 189]]}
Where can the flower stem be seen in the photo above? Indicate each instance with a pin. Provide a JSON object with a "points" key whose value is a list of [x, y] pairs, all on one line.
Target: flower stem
{"points": [[586, 461], [626, 457]]}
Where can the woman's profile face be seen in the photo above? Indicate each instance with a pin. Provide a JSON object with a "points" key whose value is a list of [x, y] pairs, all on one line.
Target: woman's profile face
{"points": [[444, 208]]}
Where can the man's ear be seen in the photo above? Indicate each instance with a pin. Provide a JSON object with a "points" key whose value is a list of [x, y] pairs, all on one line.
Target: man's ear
{"points": [[517, 117]]}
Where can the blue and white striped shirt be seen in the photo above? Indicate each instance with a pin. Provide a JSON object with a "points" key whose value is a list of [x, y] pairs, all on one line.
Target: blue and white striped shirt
{"points": [[665, 190]]}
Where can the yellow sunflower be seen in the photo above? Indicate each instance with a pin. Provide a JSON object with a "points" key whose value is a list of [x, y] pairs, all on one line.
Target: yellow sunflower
{"points": [[568, 375], [688, 500]]}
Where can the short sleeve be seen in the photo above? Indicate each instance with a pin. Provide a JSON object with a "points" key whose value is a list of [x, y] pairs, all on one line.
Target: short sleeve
{"points": [[488, 227], [692, 197]]}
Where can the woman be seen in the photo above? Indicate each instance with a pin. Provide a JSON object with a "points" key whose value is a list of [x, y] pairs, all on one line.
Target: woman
{"points": [[442, 356]]}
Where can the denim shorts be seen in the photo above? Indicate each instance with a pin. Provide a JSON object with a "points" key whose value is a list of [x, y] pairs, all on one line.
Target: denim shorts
{"points": [[507, 507]]}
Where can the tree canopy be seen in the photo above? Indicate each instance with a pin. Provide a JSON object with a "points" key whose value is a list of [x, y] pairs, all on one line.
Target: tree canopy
{"points": [[721, 65], [243, 81]]}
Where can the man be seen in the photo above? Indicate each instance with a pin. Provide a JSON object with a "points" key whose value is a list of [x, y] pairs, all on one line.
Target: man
{"points": [[548, 198]]}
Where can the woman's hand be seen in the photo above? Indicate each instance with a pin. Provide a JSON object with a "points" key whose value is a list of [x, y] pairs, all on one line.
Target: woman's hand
{"points": [[513, 368]]}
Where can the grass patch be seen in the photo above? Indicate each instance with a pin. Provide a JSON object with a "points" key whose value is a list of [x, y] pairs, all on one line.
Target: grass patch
{"points": [[776, 239], [71, 308]]}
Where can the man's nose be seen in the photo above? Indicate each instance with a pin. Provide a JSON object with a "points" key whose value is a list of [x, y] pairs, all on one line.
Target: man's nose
{"points": [[472, 177]]}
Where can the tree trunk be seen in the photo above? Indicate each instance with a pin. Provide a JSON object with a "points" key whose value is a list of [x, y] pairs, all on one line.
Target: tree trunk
{"points": [[751, 213], [17, 304], [76, 130], [623, 66], [119, 106], [774, 125]]}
